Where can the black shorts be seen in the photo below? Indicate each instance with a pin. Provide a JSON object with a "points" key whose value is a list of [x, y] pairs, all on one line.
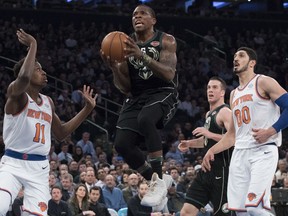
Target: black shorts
{"points": [[132, 106], [210, 187]]}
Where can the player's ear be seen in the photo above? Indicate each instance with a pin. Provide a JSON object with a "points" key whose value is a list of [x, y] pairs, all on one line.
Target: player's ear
{"points": [[154, 21], [252, 63]]}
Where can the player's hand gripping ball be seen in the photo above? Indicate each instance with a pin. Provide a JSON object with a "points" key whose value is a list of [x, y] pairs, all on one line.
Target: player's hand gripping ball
{"points": [[113, 45]]}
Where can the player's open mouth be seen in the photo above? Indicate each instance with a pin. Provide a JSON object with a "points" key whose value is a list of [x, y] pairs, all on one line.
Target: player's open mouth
{"points": [[138, 23]]}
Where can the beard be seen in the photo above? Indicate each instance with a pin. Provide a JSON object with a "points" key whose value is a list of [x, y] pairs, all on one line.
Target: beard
{"points": [[244, 68]]}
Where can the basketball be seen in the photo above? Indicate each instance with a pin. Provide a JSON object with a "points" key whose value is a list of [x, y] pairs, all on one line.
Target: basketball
{"points": [[113, 46]]}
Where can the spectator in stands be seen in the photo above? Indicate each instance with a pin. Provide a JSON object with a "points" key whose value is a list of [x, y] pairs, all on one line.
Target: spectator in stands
{"points": [[54, 166], [64, 155], [113, 196], [176, 199], [90, 179], [101, 174], [132, 188], [124, 178], [56, 206], [78, 203], [78, 154], [73, 169], [174, 153], [281, 173], [67, 186], [98, 208], [52, 180], [52, 155], [87, 145]]}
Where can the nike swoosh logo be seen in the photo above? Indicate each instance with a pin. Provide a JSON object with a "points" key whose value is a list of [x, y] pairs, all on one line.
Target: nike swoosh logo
{"points": [[218, 177], [267, 152], [45, 167]]}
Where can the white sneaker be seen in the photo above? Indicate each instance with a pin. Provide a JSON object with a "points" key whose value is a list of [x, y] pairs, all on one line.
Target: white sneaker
{"points": [[168, 180], [161, 206], [156, 192]]}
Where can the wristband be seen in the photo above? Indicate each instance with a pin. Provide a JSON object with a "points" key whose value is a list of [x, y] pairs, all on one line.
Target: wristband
{"points": [[146, 59]]}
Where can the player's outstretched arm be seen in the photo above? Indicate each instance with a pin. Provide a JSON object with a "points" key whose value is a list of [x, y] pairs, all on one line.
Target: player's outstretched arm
{"points": [[16, 90], [62, 130], [184, 145]]}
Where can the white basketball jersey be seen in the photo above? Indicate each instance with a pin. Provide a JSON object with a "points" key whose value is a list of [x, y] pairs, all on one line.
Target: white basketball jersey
{"points": [[30, 130], [250, 110]]}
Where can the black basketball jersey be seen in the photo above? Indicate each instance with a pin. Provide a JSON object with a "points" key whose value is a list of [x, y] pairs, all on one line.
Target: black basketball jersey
{"points": [[142, 78], [222, 158]]}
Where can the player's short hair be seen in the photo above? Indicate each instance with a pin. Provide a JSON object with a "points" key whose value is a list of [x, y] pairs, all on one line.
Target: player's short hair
{"points": [[151, 11], [250, 52], [223, 83]]}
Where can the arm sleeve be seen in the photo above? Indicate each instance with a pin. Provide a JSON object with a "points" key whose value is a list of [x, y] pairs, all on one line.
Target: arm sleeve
{"points": [[282, 122]]}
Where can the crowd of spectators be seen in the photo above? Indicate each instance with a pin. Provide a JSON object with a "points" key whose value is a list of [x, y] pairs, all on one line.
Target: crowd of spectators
{"points": [[69, 51]]}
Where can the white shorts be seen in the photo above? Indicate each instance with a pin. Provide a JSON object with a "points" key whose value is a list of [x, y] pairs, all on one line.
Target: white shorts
{"points": [[33, 175], [251, 173]]}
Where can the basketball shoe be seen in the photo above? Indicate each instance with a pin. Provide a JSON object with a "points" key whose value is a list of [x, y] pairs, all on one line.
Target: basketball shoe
{"points": [[157, 191]]}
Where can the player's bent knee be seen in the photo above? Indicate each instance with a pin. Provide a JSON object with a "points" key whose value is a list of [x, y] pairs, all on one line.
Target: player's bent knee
{"points": [[5, 202]]}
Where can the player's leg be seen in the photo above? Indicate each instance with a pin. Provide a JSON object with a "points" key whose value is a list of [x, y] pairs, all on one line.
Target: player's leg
{"points": [[8, 191], [219, 192], [238, 180], [126, 145], [147, 121], [9, 185], [36, 187], [263, 165], [197, 195], [189, 210]]}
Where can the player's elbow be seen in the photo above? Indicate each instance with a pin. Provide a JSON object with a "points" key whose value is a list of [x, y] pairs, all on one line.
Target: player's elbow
{"points": [[170, 75]]}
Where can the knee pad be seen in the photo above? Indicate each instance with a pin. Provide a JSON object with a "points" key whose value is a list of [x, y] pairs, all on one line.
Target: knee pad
{"points": [[5, 202]]}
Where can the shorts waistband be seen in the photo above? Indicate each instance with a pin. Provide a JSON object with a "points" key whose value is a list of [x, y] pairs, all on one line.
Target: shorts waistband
{"points": [[23, 156]]}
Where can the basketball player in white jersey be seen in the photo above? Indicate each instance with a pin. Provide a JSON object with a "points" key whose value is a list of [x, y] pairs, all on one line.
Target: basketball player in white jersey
{"points": [[28, 121], [256, 132]]}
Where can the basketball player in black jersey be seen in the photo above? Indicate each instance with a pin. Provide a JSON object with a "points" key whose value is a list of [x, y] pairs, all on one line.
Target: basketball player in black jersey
{"points": [[210, 186], [148, 78]]}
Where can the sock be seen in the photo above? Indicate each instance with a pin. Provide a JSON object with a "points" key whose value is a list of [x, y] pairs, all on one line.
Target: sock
{"points": [[146, 171], [156, 164]]}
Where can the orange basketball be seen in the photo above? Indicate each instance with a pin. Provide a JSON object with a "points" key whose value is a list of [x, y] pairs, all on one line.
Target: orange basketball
{"points": [[113, 46]]}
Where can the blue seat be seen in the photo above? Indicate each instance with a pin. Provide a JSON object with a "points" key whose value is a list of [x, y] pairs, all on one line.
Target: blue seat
{"points": [[122, 211]]}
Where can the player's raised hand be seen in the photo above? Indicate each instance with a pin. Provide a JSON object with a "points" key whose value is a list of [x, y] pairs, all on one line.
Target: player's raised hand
{"points": [[201, 131], [132, 49], [88, 96], [206, 164], [25, 38]]}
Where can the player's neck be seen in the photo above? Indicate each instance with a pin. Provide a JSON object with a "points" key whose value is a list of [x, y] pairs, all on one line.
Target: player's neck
{"points": [[144, 36], [245, 78], [213, 106]]}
